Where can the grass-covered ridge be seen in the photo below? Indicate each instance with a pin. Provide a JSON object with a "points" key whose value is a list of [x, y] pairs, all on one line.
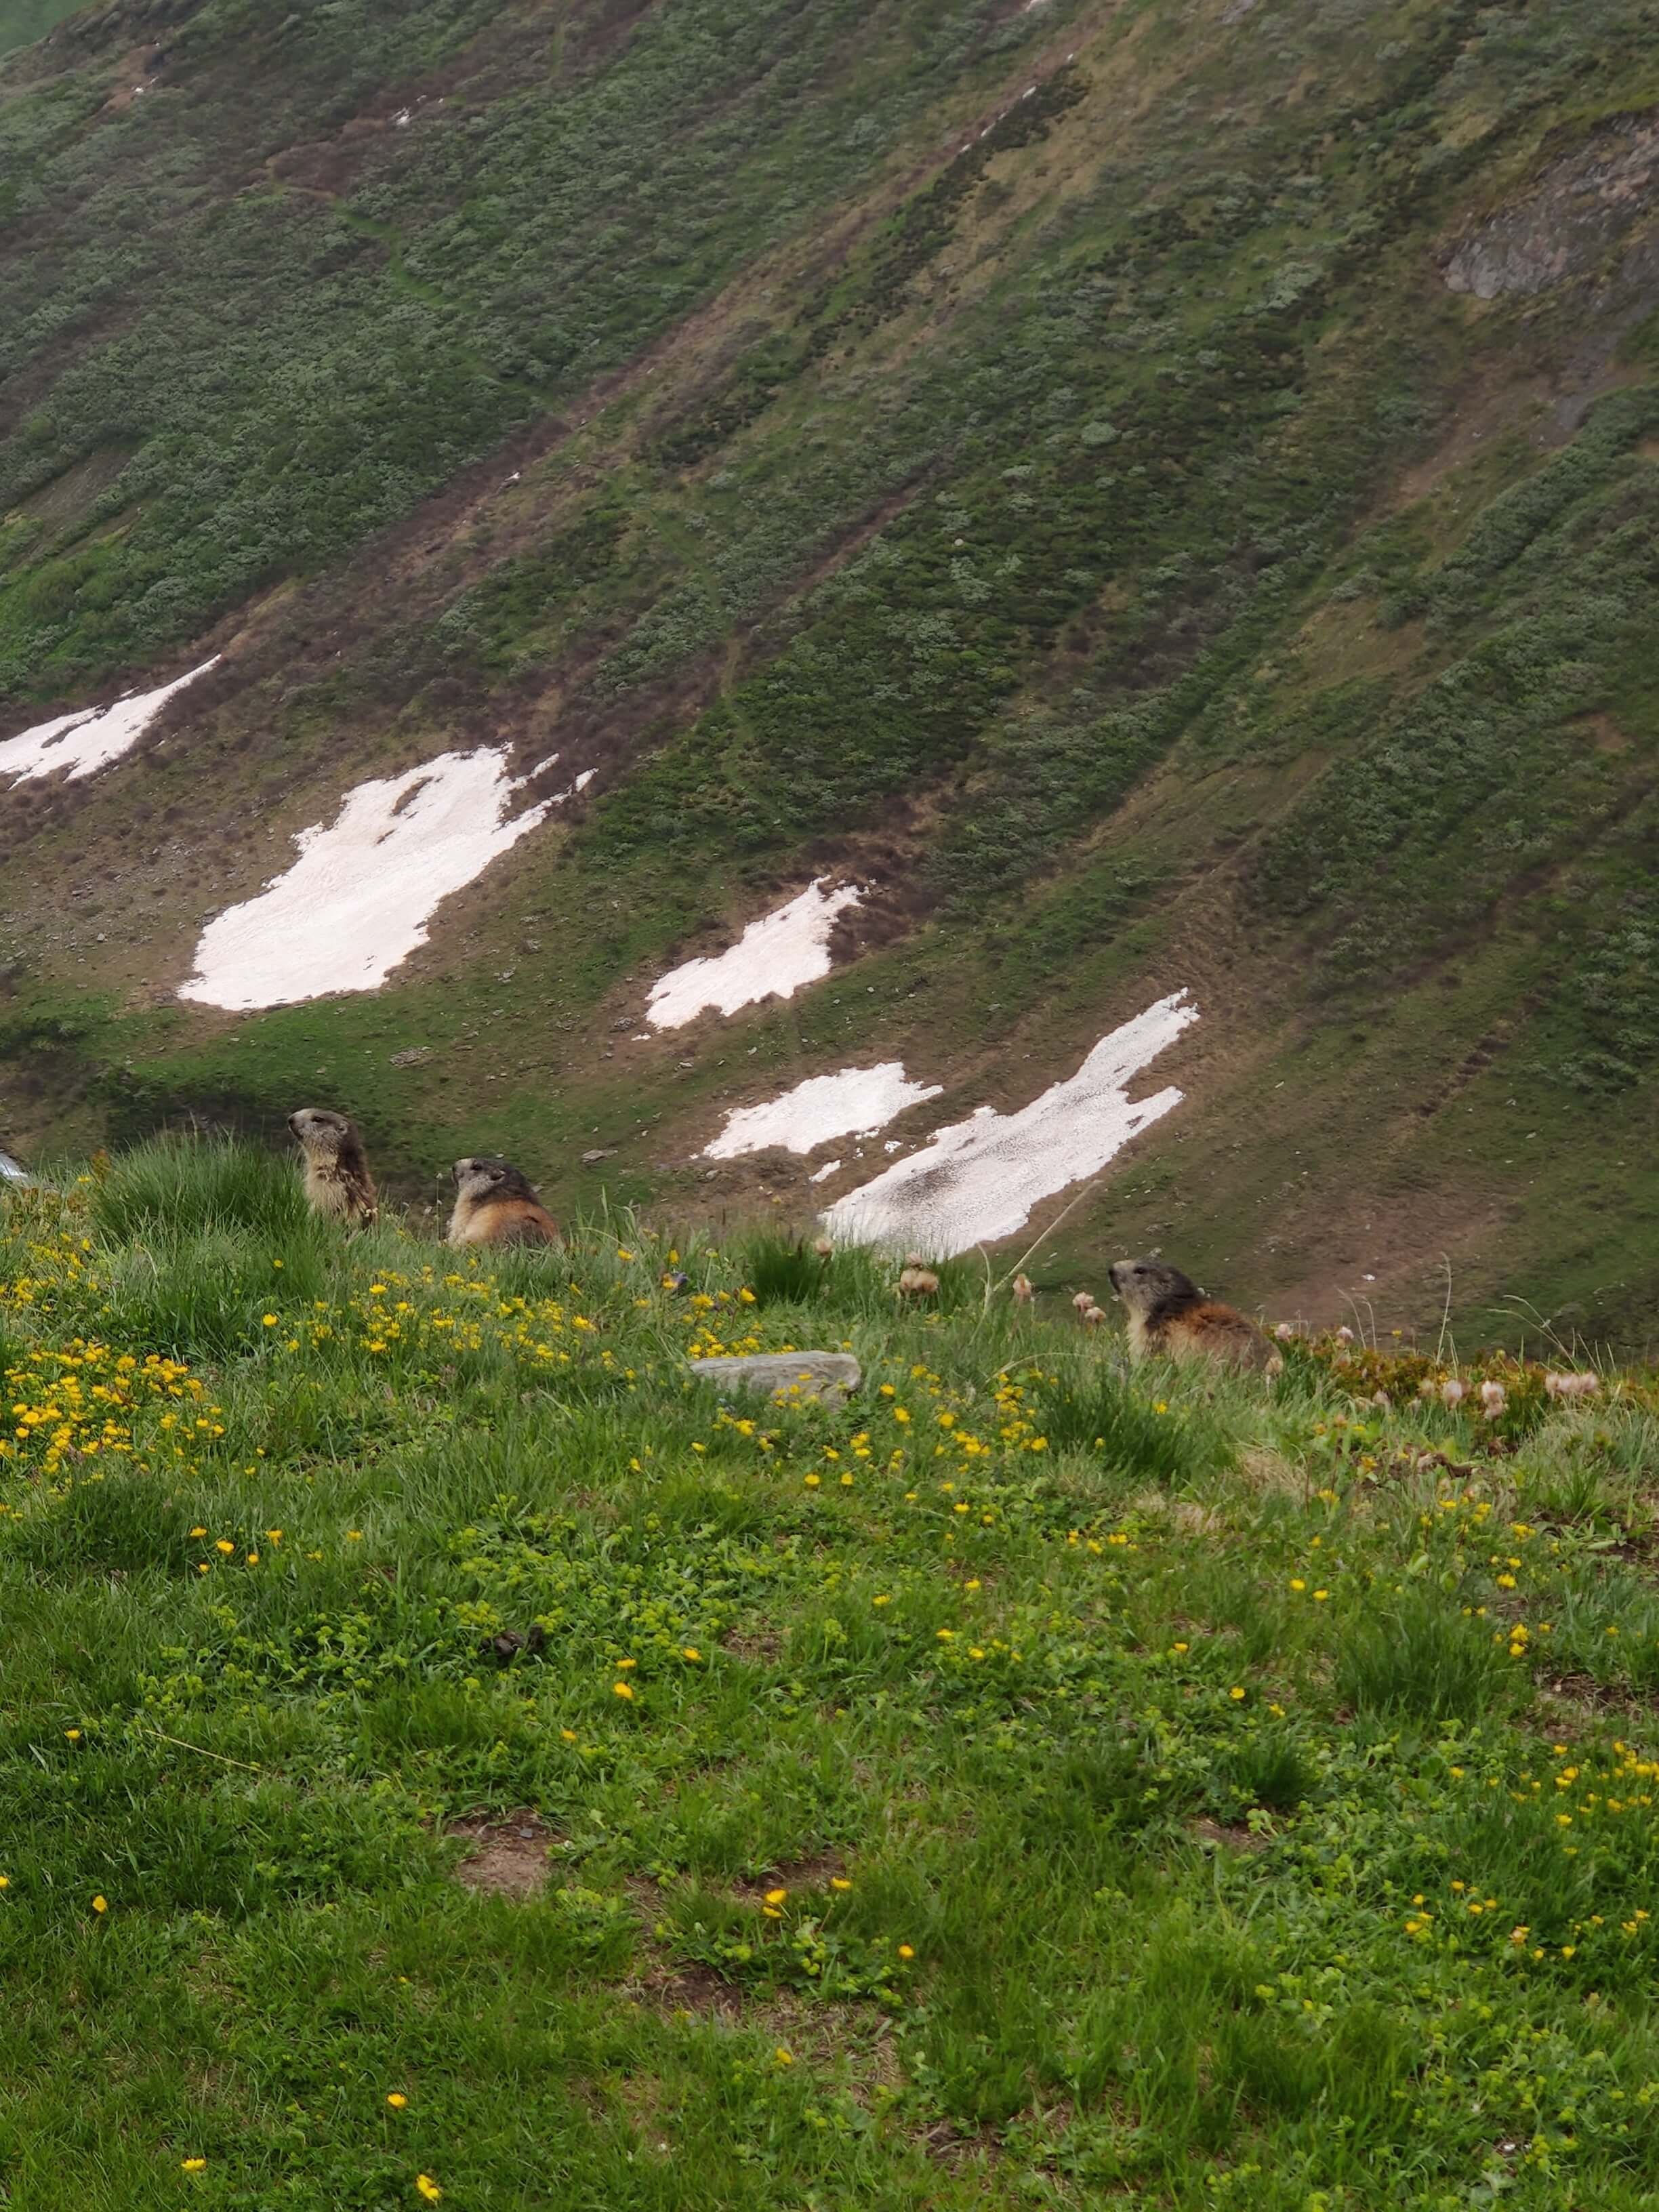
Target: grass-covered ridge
{"points": [[1028, 1783]]}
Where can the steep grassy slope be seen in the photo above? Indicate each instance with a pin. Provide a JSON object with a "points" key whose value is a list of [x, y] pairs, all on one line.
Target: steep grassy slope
{"points": [[22, 20], [1025, 1784], [1166, 496]]}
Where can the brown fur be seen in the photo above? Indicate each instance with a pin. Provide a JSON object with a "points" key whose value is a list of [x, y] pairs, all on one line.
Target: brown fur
{"points": [[1171, 1318], [337, 1182], [496, 1203]]}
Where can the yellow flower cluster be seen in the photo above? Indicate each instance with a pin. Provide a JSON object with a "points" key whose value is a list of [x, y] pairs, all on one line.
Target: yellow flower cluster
{"points": [[85, 1400]]}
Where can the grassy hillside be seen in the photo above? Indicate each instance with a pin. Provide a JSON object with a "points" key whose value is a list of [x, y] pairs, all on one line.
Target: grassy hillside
{"points": [[1167, 497], [23, 20], [448, 1749]]}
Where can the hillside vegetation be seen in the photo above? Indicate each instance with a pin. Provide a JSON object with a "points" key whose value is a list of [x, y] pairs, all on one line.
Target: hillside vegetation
{"points": [[447, 1748], [1164, 495]]}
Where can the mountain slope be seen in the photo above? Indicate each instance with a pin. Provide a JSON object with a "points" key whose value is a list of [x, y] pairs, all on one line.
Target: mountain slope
{"points": [[1163, 500]]}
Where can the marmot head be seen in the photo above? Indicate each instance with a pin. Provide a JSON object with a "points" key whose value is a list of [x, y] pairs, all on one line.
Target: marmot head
{"points": [[1144, 1284], [489, 1177], [323, 1134]]}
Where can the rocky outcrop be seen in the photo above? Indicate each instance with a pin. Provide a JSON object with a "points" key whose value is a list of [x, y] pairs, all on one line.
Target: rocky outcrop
{"points": [[1579, 209]]}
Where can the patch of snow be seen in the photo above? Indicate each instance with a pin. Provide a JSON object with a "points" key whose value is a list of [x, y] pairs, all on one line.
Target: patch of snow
{"points": [[979, 1179], [12, 1170], [822, 1107], [771, 960], [894, 1145], [823, 1174], [585, 779], [84, 741], [358, 899]]}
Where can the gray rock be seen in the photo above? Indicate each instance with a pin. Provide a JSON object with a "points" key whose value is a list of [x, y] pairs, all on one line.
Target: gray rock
{"points": [[791, 1376], [599, 1152], [1581, 208]]}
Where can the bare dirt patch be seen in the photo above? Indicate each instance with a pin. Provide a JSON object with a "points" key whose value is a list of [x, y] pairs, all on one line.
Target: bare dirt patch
{"points": [[510, 1858], [816, 1872], [1220, 1837], [765, 1645], [696, 1989]]}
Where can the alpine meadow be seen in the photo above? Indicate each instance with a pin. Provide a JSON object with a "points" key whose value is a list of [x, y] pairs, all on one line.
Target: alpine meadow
{"points": [[829, 1018]]}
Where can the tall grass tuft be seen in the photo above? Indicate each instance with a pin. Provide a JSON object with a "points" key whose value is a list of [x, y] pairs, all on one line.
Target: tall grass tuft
{"points": [[211, 1233], [1097, 1409], [182, 1186], [781, 1274], [1420, 1657], [1270, 1770]]}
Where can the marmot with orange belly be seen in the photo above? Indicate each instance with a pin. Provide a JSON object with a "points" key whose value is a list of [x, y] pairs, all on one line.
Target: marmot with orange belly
{"points": [[1171, 1318], [497, 1204]]}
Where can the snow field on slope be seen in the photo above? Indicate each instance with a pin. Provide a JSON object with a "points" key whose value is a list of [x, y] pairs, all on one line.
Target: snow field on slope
{"points": [[858, 1101], [87, 740], [773, 958], [357, 900], [980, 1180]]}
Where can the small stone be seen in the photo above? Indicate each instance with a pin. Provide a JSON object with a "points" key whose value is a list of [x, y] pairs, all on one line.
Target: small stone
{"points": [[791, 1376], [599, 1152]]}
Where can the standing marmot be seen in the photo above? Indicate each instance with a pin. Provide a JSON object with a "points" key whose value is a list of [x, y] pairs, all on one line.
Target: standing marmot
{"points": [[1171, 1318], [337, 1180], [494, 1203]]}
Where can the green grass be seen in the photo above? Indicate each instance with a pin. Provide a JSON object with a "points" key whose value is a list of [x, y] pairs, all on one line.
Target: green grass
{"points": [[22, 20], [998, 1817]]}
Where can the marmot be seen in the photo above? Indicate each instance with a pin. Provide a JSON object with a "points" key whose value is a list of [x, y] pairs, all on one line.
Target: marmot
{"points": [[496, 1203], [1171, 1318], [337, 1180]]}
